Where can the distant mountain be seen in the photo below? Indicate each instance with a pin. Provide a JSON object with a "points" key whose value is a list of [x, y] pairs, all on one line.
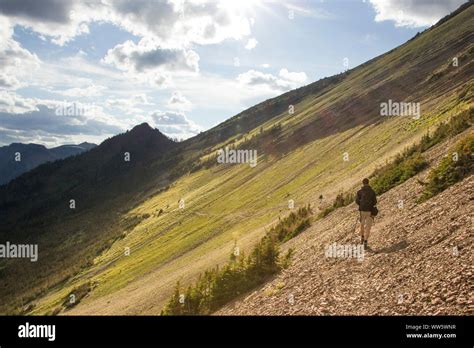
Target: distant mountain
{"points": [[18, 158], [95, 174], [71, 150]]}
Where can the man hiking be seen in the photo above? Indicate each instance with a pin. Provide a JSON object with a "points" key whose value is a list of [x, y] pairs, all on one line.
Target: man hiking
{"points": [[366, 200]]}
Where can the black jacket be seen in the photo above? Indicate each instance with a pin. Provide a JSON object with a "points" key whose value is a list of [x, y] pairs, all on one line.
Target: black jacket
{"points": [[366, 198]]}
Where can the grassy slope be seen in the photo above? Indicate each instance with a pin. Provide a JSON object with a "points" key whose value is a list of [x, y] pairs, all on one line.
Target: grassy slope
{"points": [[232, 204]]}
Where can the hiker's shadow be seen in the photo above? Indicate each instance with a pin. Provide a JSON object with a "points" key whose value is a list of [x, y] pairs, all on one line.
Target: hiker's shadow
{"points": [[393, 248]]}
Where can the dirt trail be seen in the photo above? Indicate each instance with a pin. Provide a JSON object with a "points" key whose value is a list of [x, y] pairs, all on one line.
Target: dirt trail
{"points": [[421, 261]]}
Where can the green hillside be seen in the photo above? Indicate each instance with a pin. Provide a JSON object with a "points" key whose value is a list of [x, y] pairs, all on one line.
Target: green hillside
{"points": [[335, 137]]}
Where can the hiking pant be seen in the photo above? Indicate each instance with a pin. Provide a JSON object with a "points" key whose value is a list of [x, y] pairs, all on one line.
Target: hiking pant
{"points": [[365, 224]]}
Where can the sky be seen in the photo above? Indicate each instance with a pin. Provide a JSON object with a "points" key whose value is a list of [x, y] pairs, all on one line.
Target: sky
{"points": [[74, 71]]}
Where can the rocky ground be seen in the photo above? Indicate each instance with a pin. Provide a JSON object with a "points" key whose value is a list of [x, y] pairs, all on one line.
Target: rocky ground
{"points": [[420, 261]]}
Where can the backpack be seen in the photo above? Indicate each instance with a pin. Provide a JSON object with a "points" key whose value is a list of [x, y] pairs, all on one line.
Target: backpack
{"points": [[366, 199], [374, 211]]}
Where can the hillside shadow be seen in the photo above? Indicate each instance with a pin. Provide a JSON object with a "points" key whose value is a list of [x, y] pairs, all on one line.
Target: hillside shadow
{"points": [[393, 248]]}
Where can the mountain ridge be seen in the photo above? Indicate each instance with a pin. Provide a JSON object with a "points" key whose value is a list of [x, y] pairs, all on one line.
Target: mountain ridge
{"points": [[33, 156]]}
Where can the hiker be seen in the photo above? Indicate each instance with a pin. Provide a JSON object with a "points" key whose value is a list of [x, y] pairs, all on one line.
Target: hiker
{"points": [[366, 200]]}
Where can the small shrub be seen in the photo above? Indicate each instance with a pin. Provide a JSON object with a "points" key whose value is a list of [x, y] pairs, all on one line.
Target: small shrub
{"points": [[341, 200], [397, 172], [454, 126], [326, 212], [450, 171], [287, 258], [79, 293]]}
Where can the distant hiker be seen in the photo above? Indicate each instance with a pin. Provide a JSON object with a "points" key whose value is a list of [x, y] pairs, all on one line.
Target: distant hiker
{"points": [[366, 200]]}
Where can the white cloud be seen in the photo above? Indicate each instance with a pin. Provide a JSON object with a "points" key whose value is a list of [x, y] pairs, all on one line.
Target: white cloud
{"points": [[11, 102], [254, 78], [77, 72], [251, 44], [171, 23], [43, 125], [8, 81], [53, 121], [180, 23], [16, 62], [147, 62], [297, 78], [142, 99], [265, 65], [56, 19], [174, 124], [283, 82], [89, 91], [413, 13], [167, 30], [179, 102], [316, 13], [131, 106], [222, 95], [146, 56]]}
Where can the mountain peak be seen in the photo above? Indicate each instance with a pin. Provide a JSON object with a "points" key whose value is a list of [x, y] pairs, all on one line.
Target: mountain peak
{"points": [[143, 125], [144, 130], [143, 140]]}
